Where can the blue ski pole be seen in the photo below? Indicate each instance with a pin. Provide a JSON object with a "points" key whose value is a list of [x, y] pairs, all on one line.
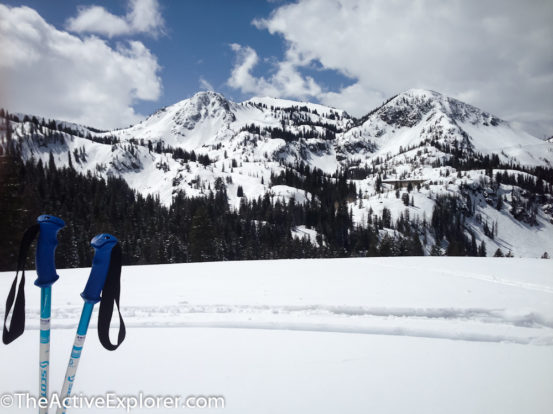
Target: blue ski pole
{"points": [[47, 276], [106, 270], [46, 228]]}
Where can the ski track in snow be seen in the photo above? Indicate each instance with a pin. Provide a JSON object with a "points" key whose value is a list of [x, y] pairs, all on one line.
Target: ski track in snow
{"points": [[468, 324], [468, 299]]}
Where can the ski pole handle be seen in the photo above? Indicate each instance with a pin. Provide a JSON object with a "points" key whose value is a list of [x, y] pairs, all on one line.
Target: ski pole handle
{"points": [[103, 244], [46, 247]]}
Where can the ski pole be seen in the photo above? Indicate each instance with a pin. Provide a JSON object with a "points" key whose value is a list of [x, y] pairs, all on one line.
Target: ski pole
{"points": [[47, 276], [46, 228], [104, 267]]}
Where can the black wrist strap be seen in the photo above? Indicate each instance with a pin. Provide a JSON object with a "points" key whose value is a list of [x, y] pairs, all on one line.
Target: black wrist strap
{"points": [[110, 297], [17, 322]]}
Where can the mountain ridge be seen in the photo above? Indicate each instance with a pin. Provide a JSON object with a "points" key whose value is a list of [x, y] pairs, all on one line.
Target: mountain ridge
{"points": [[438, 144]]}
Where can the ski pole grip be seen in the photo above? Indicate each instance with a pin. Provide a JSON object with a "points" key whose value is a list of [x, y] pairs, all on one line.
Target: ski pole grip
{"points": [[45, 249], [103, 244]]}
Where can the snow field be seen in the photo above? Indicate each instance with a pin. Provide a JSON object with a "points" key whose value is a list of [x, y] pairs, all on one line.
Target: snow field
{"points": [[388, 335]]}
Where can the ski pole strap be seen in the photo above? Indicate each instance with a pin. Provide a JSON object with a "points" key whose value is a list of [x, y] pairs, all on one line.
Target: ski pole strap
{"points": [[17, 323], [110, 297]]}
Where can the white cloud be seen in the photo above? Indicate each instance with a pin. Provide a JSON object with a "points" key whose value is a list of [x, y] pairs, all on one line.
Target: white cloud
{"points": [[353, 98], [143, 17], [286, 81], [495, 54], [52, 73]]}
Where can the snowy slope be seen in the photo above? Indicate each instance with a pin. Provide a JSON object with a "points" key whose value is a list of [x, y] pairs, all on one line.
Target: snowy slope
{"points": [[416, 116], [189, 124], [342, 335], [209, 118], [522, 239], [286, 103]]}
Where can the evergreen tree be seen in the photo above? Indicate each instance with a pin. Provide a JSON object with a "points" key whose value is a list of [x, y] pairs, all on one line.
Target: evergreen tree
{"points": [[201, 237], [435, 251], [69, 160], [378, 184], [51, 163], [456, 248], [499, 204], [386, 218], [473, 248], [482, 249]]}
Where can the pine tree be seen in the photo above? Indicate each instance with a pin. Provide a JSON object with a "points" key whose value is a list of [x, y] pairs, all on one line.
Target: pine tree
{"points": [[435, 250], [378, 184], [69, 160], [499, 204], [473, 248], [51, 163], [201, 236], [386, 218], [482, 249], [17, 210]]}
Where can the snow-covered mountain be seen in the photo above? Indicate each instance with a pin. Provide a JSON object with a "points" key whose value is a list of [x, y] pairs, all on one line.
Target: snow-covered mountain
{"points": [[416, 117], [419, 139], [209, 118], [409, 120]]}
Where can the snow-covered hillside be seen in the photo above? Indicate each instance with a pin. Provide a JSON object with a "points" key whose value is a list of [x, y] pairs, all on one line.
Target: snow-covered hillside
{"points": [[438, 144], [389, 335], [416, 117]]}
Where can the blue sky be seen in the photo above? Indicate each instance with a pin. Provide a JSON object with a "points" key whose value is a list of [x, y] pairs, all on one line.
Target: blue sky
{"points": [[194, 43], [110, 63]]}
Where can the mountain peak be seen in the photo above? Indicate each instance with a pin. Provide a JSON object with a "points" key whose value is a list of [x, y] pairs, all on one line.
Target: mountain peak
{"points": [[209, 95], [421, 93], [208, 100], [188, 123], [417, 103]]}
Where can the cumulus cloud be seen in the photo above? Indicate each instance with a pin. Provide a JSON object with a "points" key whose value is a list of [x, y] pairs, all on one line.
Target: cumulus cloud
{"points": [[496, 54], [48, 72], [143, 17], [286, 81], [353, 98]]}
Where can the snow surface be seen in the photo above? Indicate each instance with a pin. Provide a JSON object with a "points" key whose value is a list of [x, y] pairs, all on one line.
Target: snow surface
{"points": [[390, 335], [286, 103], [302, 232], [519, 146]]}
